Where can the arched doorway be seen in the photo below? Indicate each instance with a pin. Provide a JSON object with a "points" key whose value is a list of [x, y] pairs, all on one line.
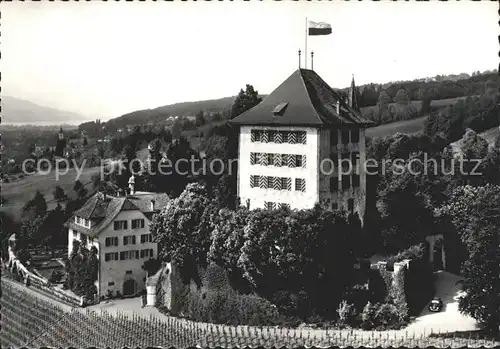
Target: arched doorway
{"points": [[129, 287]]}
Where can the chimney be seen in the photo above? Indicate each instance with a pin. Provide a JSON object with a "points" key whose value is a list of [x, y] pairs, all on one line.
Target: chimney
{"points": [[152, 205], [131, 184]]}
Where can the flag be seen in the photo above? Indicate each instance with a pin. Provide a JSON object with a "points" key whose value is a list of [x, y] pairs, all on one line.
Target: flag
{"points": [[319, 28]]}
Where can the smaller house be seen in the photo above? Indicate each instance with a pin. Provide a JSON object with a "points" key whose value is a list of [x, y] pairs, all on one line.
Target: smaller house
{"points": [[118, 227]]}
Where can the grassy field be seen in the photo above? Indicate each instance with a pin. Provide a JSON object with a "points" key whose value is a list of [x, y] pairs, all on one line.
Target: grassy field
{"points": [[407, 126], [438, 104], [19, 192]]}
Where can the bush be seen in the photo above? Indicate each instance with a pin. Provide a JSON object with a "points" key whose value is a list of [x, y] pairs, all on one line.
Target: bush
{"points": [[231, 308], [386, 314], [381, 316], [346, 313], [368, 316], [215, 278]]}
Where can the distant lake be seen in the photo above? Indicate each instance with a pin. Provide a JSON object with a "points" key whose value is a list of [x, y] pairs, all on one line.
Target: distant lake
{"points": [[44, 123]]}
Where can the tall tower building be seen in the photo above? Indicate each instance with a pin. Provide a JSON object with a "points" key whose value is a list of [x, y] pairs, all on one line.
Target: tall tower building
{"points": [[289, 142]]}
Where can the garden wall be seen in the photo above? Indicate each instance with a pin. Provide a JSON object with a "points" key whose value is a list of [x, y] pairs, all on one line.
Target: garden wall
{"points": [[31, 280]]}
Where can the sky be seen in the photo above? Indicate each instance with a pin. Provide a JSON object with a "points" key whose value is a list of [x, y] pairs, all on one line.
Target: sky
{"points": [[105, 59]]}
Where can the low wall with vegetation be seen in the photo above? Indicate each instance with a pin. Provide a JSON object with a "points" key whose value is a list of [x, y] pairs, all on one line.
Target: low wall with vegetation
{"points": [[20, 273]]}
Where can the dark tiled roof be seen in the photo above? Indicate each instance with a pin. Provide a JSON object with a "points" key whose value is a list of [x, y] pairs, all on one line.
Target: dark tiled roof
{"points": [[311, 102], [103, 209]]}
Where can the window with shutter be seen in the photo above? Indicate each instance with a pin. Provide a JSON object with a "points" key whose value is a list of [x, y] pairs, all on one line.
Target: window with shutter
{"points": [[253, 158], [278, 137], [270, 159], [151, 253], [300, 184], [122, 256], [116, 241], [263, 182], [272, 136], [298, 160], [301, 137], [263, 159], [264, 136], [292, 137], [276, 183], [277, 160], [284, 136], [116, 256]]}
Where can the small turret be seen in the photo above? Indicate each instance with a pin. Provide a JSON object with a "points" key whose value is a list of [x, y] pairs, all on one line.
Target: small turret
{"points": [[131, 184]]}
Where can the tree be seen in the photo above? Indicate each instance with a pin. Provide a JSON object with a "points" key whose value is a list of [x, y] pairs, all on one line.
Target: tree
{"points": [[79, 189], [383, 106], [59, 194], [401, 97], [473, 211], [176, 129], [244, 101], [37, 205], [200, 120], [77, 186], [182, 229]]}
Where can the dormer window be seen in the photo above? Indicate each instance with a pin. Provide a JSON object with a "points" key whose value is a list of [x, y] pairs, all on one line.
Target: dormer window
{"points": [[279, 110]]}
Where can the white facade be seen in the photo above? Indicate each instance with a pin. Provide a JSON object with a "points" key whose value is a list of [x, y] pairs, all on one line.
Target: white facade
{"points": [[113, 274], [259, 196], [319, 149]]}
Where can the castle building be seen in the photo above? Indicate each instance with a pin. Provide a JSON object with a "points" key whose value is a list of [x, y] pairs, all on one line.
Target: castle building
{"points": [[293, 144], [118, 227]]}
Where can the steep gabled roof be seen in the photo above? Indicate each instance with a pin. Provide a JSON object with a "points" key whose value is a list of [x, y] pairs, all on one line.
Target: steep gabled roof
{"points": [[103, 209], [310, 102]]}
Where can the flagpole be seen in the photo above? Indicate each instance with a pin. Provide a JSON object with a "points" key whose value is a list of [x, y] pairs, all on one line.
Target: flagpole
{"points": [[305, 56]]}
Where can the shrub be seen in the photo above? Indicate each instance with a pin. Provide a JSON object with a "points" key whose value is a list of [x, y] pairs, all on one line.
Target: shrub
{"points": [[231, 308], [386, 314], [346, 313], [368, 316], [215, 278], [286, 301]]}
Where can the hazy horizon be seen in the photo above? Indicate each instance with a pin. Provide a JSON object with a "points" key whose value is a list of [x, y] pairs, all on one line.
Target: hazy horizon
{"points": [[103, 59]]}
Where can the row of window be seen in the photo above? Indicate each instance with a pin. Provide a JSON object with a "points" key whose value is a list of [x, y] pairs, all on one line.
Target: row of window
{"points": [[286, 160], [299, 137], [82, 221], [123, 224], [275, 205], [277, 183], [127, 255], [291, 137], [128, 272], [268, 205], [128, 240], [346, 137], [346, 182]]}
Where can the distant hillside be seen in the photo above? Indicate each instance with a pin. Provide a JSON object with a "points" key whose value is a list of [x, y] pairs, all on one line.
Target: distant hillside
{"points": [[20, 111], [160, 114]]}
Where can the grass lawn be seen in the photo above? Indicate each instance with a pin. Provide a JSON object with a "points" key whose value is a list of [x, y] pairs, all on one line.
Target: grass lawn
{"points": [[19, 192], [406, 126]]}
